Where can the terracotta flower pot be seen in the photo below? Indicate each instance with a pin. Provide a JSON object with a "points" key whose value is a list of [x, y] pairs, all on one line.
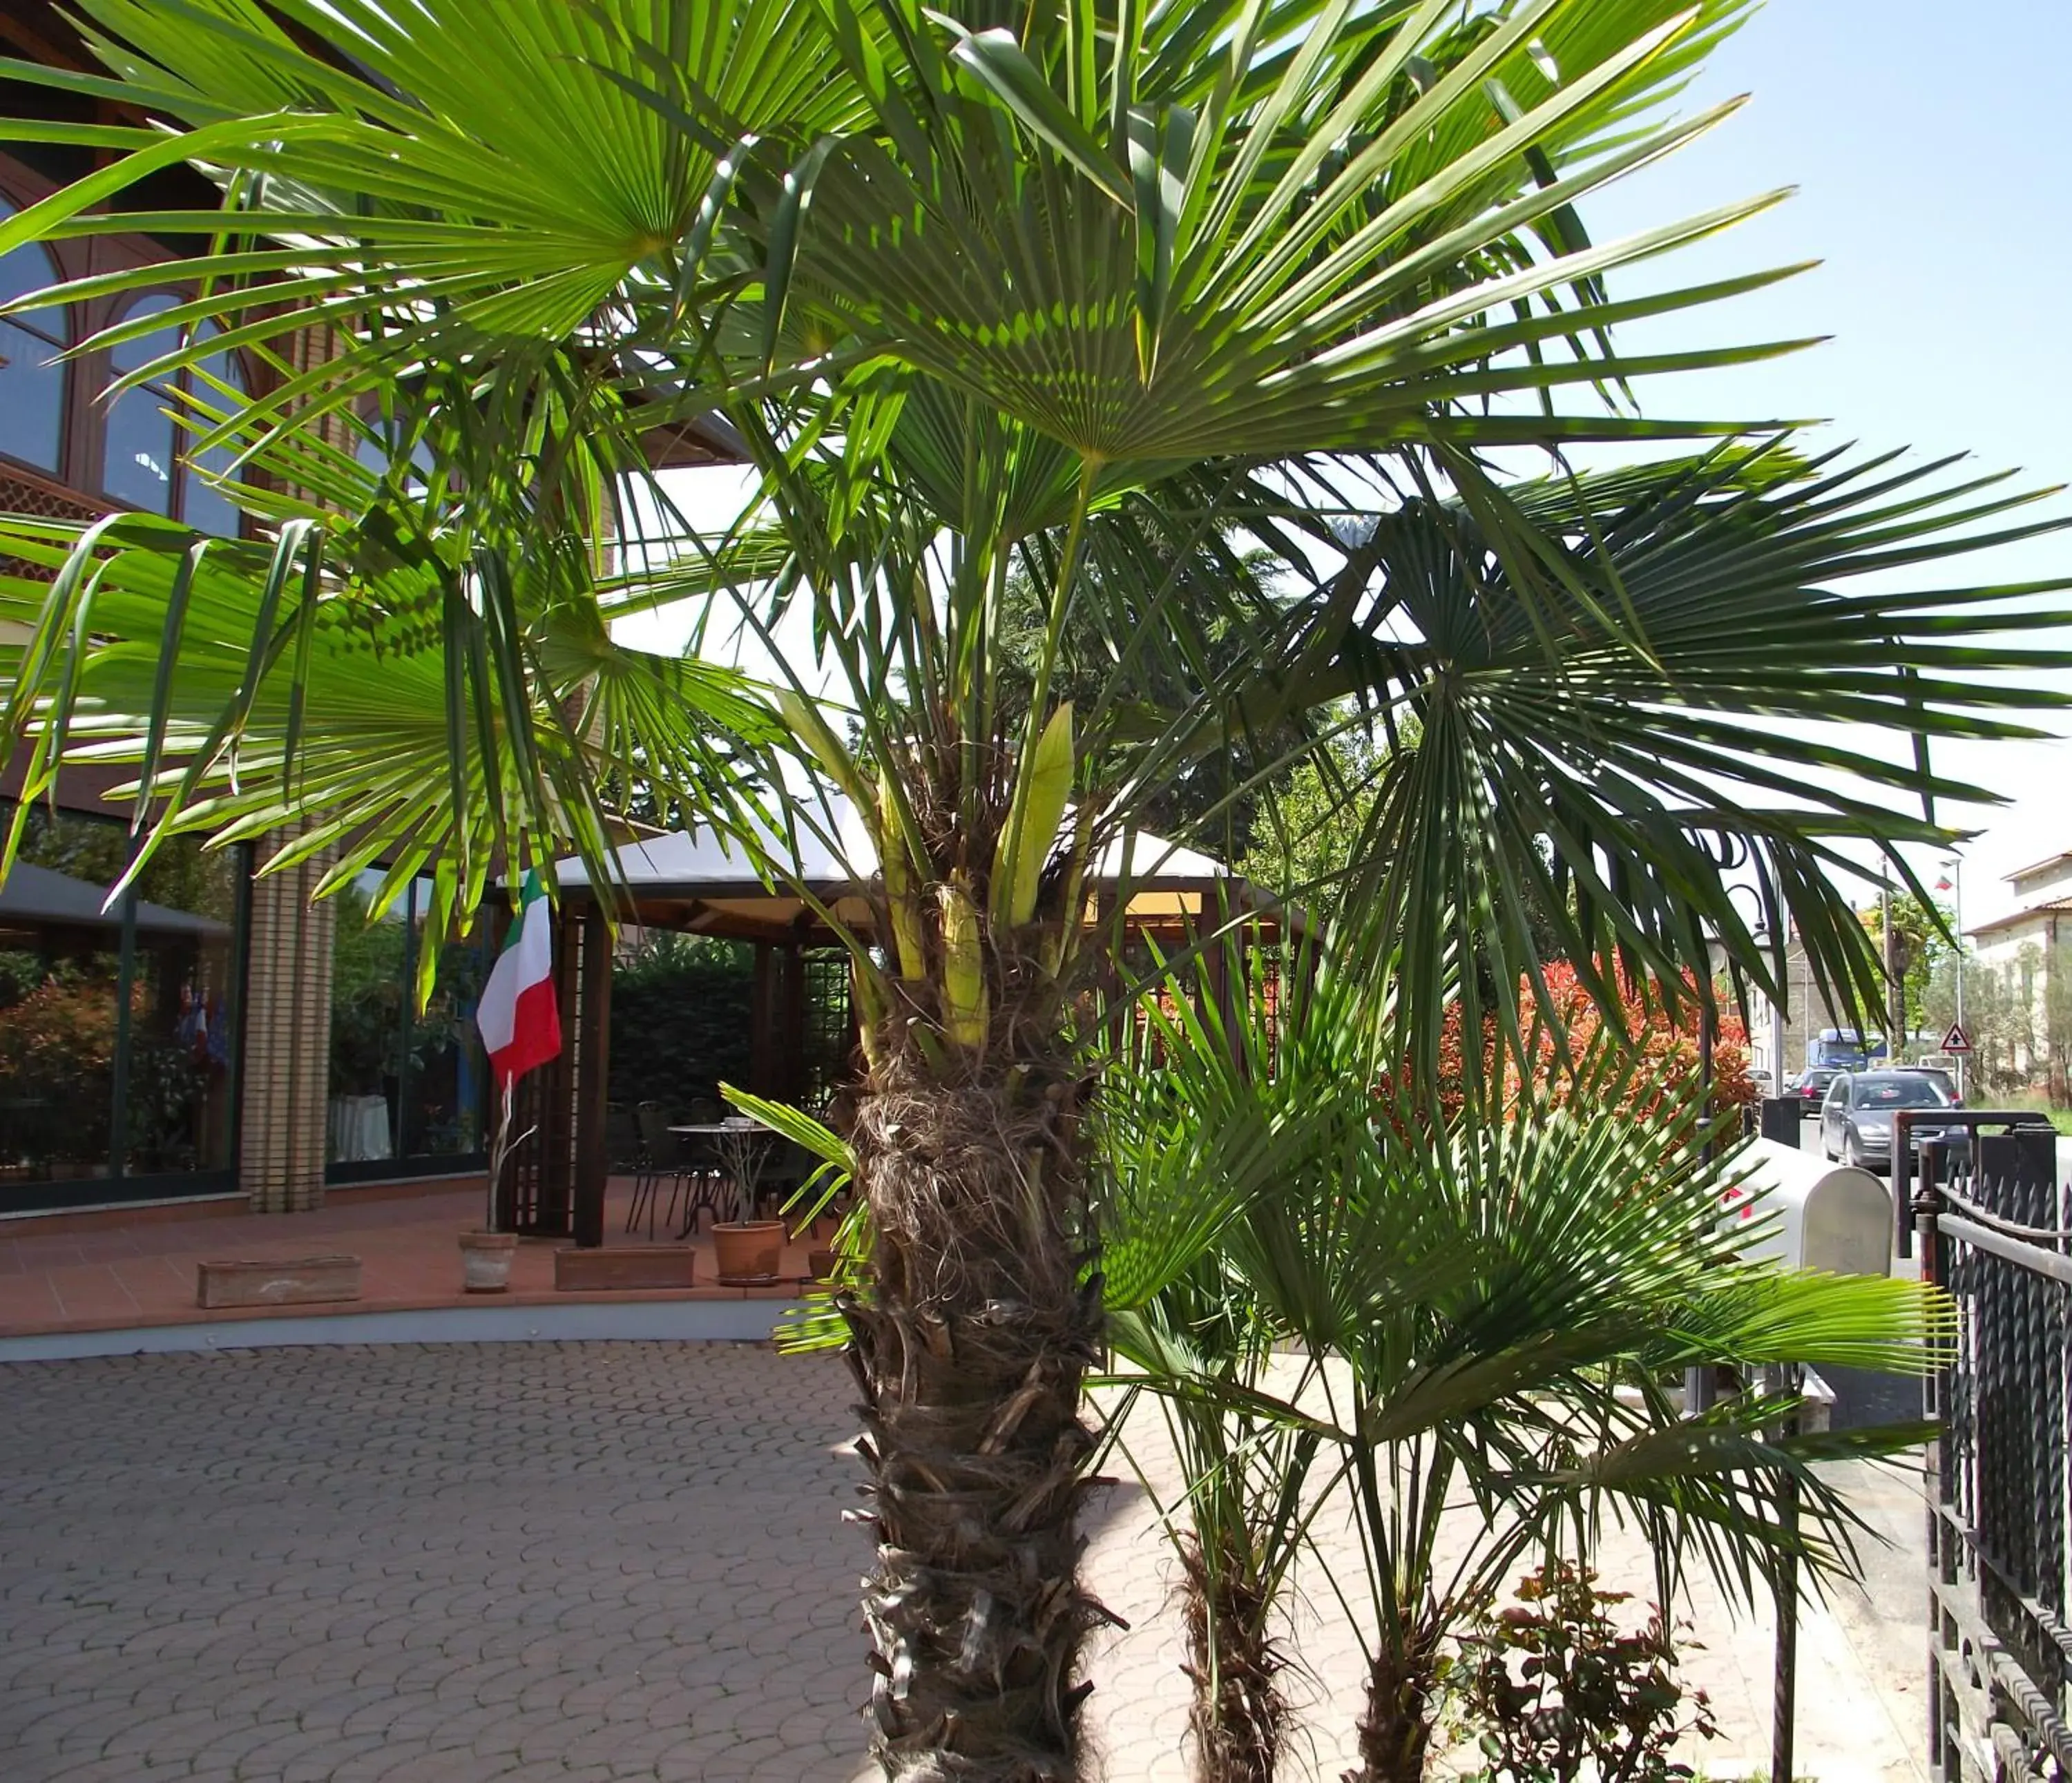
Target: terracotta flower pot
{"points": [[749, 1251], [485, 1261]]}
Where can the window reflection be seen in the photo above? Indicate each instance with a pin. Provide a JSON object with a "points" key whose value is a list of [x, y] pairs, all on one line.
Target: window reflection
{"points": [[207, 510], [375, 451], [141, 458], [404, 1083], [182, 1007], [32, 381], [78, 1060]]}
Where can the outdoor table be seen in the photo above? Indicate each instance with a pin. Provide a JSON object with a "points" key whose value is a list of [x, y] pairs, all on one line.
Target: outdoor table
{"points": [[744, 1150]]}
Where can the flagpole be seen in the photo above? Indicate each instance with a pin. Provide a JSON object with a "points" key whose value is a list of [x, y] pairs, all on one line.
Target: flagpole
{"points": [[500, 1148], [518, 1018]]}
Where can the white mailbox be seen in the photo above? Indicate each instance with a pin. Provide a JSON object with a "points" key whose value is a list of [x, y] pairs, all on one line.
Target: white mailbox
{"points": [[1822, 1216]]}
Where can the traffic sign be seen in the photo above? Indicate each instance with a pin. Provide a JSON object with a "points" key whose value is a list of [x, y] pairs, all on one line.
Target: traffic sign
{"points": [[1956, 1040]]}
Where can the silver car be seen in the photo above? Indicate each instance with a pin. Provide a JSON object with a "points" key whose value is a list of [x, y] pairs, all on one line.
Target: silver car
{"points": [[1856, 1119]]}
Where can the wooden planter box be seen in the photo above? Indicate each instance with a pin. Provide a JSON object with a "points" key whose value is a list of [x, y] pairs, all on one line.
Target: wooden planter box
{"points": [[291, 1281], [624, 1265]]}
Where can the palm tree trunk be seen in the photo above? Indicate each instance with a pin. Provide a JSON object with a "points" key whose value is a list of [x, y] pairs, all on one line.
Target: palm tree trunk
{"points": [[1238, 1718], [1402, 1693], [971, 1355]]}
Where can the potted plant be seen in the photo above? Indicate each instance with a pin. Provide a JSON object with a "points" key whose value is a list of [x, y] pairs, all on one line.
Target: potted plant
{"points": [[831, 1268], [486, 1253], [748, 1251], [485, 1261]]}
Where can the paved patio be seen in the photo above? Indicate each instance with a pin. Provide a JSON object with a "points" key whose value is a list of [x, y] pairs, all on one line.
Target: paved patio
{"points": [[123, 1269], [588, 1563]]}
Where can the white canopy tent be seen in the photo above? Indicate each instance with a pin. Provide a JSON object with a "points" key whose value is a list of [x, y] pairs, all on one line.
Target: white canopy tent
{"points": [[703, 883]]}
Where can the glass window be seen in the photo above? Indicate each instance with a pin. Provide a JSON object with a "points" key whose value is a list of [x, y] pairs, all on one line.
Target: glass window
{"points": [[31, 380], [404, 1084], [137, 458], [183, 1008], [1907, 1091], [142, 464], [60, 962], [366, 1028], [120, 1020], [205, 507], [443, 1115], [376, 451]]}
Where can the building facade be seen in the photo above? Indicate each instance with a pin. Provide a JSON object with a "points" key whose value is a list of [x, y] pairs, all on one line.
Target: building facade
{"points": [[2025, 958], [1809, 1027], [207, 1032]]}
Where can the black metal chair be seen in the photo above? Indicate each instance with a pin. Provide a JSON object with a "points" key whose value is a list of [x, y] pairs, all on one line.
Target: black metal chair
{"points": [[658, 1152], [693, 1173], [701, 1175], [626, 1155]]}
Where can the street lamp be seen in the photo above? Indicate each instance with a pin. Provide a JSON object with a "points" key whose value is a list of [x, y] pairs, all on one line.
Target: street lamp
{"points": [[1716, 958]]}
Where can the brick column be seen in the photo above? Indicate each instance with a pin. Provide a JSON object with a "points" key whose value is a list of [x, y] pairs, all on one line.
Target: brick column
{"points": [[286, 1097], [287, 1043]]}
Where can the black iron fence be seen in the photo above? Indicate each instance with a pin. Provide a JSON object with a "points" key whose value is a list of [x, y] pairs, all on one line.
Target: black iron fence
{"points": [[1980, 1132], [1996, 1230]]}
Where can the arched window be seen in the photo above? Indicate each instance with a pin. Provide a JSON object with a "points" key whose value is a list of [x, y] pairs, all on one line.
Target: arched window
{"points": [[32, 381], [141, 463]]}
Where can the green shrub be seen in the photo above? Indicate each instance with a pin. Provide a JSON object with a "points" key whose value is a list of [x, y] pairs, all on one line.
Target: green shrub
{"points": [[680, 1008], [1553, 1684]]}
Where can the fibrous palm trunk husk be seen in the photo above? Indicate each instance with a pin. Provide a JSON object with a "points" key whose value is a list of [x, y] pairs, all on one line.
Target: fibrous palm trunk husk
{"points": [[971, 1355], [1402, 1694], [1238, 1719]]}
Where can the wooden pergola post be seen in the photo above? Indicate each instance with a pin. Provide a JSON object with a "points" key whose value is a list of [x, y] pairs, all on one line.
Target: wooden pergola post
{"points": [[761, 1039], [790, 1076], [593, 1080]]}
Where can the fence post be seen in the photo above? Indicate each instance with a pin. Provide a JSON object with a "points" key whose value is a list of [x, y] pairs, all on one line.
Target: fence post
{"points": [[1935, 1390], [1784, 1671]]}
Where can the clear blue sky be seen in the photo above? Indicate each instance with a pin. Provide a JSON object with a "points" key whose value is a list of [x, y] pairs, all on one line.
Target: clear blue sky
{"points": [[1932, 149]]}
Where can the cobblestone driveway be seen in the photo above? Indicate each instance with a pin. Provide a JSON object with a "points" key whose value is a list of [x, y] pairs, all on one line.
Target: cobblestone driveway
{"points": [[429, 1565], [585, 1562]]}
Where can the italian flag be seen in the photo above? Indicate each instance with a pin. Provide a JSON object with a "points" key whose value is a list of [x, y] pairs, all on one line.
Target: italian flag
{"points": [[521, 1024]]}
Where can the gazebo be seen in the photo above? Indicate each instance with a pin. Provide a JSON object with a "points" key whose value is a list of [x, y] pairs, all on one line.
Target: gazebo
{"points": [[702, 883]]}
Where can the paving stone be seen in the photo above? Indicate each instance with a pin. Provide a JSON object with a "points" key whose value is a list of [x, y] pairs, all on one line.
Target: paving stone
{"points": [[588, 1563]]}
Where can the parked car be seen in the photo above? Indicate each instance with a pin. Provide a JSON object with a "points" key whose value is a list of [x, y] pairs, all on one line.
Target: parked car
{"points": [[1812, 1082], [1856, 1119]]}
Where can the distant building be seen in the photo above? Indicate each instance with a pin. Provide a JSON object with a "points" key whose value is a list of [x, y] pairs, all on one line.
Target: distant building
{"points": [[1812, 1026], [2027, 951], [2045, 892], [210, 1033]]}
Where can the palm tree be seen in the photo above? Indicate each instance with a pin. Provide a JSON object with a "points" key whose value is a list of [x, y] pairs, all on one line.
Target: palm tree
{"points": [[1476, 1321], [1199, 1114], [1076, 292]]}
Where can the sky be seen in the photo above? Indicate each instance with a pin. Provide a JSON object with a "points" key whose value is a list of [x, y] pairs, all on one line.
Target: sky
{"points": [[1933, 155], [1932, 149]]}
